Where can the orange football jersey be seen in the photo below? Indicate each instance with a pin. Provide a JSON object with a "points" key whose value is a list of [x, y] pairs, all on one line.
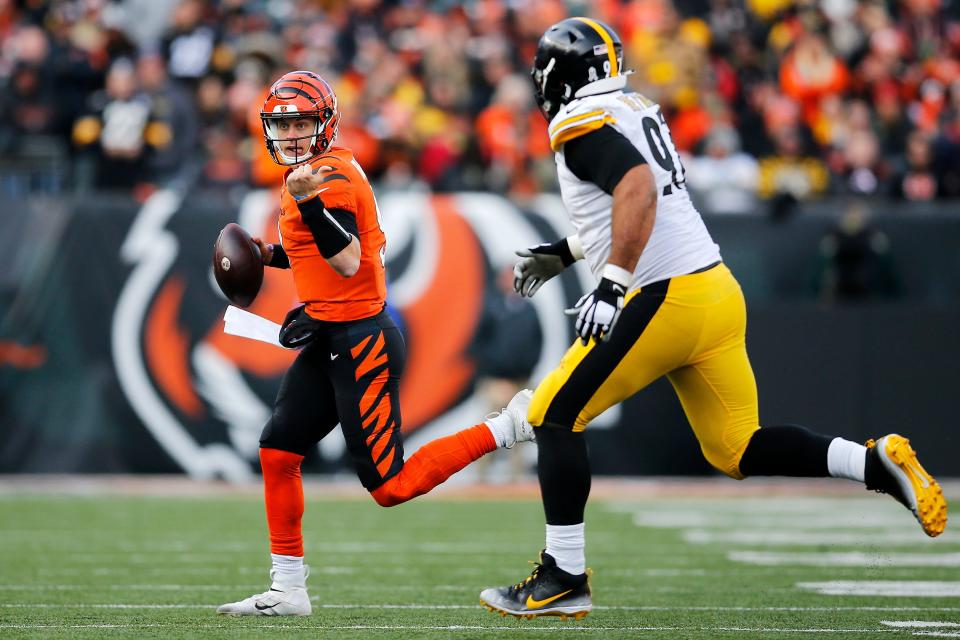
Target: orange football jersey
{"points": [[328, 295]]}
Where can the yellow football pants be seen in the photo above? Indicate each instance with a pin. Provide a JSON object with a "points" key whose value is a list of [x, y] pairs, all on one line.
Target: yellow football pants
{"points": [[690, 328]]}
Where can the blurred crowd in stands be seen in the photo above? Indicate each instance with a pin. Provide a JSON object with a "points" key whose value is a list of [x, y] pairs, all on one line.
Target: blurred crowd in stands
{"points": [[766, 99]]}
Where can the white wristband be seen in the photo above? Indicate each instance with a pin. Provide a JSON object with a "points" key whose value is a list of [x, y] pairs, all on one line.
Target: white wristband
{"points": [[617, 274], [576, 247]]}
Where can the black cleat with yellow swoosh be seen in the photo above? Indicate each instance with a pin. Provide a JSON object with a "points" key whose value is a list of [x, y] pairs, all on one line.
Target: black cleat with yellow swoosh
{"points": [[549, 591]]}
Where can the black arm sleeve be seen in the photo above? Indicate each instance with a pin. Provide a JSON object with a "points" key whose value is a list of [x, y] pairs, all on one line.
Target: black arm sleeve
{"points": [[279, 258], [602, 157], [347, 220], [332, 229]]}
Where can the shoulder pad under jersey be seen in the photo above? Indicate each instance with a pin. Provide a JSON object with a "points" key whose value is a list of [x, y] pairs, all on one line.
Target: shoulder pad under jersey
{"points": [[580, 117]]}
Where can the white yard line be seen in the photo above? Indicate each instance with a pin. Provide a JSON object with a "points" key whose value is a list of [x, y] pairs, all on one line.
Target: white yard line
{"points": [[200, 552], [207, 570], [799, 538], [479, 628], [48, 605], [832, 519], [443, 607], [919, 624], [898, 588], [127, 587], [846, 559], [210, 587], [936, 626], [740, 502]]}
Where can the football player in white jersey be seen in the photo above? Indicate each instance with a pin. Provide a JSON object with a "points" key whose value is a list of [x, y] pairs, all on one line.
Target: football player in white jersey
{"points": [[665, 305]]}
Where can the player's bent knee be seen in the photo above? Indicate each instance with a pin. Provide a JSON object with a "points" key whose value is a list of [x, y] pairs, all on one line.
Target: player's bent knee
{"points": [[725, 460], [386, 500], [724, 448], [386, 495]]}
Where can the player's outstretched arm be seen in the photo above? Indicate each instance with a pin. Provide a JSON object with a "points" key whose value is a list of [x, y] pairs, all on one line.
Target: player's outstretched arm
{"points": [[542, 262]]}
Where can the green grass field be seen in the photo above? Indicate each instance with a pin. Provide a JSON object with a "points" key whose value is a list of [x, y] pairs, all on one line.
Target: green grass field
{"points": [[121, 566]]}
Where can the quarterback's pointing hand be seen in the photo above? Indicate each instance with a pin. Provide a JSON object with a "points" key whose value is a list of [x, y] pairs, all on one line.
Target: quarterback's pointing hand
{"points": [[303, 181]]}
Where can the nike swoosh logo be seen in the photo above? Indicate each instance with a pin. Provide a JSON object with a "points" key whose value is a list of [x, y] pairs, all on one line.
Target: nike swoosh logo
{"points": [[334, 356], [536, 604], [264, 607]]}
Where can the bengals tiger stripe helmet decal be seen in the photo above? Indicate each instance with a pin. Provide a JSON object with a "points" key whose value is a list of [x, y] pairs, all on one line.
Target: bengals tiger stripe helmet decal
{"points": [[298, 95]]}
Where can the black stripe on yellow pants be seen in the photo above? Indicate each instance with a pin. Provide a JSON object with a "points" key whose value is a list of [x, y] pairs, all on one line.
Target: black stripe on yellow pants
{"points": [[590, 365], [690, 328]]}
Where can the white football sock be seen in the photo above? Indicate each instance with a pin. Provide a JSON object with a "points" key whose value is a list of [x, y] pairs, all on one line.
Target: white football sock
{"points": [[501, 426], [288, 570], [846, 459], [565, 544]]}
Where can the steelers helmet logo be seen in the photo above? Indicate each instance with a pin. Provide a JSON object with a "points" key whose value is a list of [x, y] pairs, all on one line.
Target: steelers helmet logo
{"points": [[572, 54], [225, 263]]}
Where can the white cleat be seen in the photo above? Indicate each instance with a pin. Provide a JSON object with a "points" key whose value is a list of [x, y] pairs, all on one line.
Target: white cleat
{"points": [[517, 410], [511, 426], [279, 600]]}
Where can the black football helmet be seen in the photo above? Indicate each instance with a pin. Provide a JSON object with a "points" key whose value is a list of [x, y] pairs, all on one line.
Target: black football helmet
{"points": [[576, 57]]}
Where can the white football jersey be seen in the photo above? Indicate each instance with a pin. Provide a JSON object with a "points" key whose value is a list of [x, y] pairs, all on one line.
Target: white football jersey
{"points": [[679, 243]]}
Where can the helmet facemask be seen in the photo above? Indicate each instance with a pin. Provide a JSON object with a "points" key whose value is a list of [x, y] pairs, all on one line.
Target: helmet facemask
{"points": [[548, 92], [318, 140]]}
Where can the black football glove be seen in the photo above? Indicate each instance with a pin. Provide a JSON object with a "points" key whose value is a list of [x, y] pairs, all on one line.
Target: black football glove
{"points": [[598, 311], [298, 329], [540, 263]]}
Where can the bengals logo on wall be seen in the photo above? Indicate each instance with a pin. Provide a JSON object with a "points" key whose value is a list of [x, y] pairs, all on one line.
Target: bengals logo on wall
{"points": [[205, 396]]}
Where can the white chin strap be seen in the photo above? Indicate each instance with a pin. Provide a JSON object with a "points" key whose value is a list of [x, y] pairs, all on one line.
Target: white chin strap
{"points": [[604, 85]]}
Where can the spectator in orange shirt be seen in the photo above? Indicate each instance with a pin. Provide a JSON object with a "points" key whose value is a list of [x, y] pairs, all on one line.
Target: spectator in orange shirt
{"points": [[810, 72]]}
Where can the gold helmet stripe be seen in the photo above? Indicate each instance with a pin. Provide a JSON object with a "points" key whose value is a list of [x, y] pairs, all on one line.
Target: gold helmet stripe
{"points": [[611, 54]]}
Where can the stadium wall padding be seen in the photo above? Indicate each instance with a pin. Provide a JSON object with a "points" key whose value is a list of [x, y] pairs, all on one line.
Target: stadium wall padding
{"points": [[113, 360]]}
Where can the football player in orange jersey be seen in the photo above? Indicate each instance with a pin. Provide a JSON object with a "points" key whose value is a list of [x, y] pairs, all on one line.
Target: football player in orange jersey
{"points": [[348, 371]]}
